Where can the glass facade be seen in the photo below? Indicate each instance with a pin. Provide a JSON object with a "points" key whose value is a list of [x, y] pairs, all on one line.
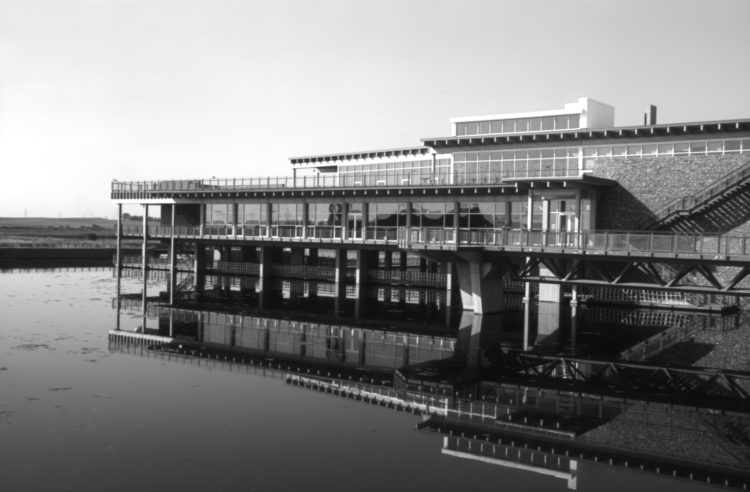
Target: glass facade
{"points": [[397, 173], [494, 166], [519, 125]]}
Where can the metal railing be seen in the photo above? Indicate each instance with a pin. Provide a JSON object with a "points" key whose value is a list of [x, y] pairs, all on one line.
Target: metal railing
{"points": [[715, 189], [343, 180], [589, 242]]}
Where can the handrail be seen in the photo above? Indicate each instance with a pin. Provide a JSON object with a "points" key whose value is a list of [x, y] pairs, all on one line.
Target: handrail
{"points": [[588, 242], [348, 180], [709, 192]]}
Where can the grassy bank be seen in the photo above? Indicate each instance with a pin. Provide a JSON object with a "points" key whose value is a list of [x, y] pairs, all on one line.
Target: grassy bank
{"points": [[30, 230]]}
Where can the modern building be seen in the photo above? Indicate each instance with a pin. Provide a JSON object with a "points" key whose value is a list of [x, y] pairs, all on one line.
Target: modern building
{"points": [[562, 199]]}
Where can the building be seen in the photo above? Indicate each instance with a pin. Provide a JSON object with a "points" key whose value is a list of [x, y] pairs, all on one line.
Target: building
{"points": [[539, 197]]}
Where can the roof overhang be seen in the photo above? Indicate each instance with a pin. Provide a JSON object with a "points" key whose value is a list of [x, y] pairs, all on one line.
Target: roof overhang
{"points": [[707, 129]]}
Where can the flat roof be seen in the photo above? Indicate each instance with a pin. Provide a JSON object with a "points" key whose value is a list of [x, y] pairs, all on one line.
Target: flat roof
{"points": [[404, 151], [625, 132]]}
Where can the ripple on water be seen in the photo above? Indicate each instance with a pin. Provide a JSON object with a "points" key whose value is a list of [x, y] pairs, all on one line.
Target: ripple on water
{"points": [[28, 347]]}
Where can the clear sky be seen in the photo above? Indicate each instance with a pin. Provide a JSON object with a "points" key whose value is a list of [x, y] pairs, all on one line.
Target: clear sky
{"points": [[95, 90]]}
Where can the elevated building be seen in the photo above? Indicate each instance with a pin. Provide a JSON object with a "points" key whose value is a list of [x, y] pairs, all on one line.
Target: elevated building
{"points": [[560, 199]]}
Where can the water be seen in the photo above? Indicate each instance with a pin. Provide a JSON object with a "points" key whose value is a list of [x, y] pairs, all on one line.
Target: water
{"points": [[79, 413]]}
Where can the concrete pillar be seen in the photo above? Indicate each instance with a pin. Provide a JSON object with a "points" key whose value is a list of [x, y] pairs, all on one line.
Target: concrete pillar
{"points": [[366, 261], [268, 256], [297, 256], [549, 292], [526, 316], [118, 234], [481, 284], [144, 263], [235, 209], [387, 260], [199, 273], [172, 285], [340, 274]]}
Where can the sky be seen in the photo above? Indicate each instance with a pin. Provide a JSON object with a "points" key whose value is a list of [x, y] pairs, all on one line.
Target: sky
{"points": [[96, 90]]}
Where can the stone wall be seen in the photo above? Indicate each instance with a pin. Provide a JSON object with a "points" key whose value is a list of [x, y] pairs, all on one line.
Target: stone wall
{"points": [[648, 183]]}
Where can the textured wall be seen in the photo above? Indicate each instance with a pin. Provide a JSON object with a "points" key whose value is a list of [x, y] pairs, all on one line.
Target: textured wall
{"points": [[648, 183]]}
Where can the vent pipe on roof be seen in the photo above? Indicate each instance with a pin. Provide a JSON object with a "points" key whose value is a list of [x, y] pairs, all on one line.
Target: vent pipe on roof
{"points": [[650, 117]]}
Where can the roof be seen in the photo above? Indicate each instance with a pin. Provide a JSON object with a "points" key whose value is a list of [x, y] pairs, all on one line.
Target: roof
{"points": [[403, 151], [626, 132]]}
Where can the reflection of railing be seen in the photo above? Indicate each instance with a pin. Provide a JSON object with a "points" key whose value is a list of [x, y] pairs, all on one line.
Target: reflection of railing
{"points": [[408, 277]]}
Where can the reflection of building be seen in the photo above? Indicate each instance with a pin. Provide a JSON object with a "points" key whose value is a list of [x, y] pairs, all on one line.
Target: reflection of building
{"points": [[549, 414]]}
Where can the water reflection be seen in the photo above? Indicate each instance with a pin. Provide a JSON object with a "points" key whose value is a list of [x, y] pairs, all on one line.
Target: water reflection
{"points": [[557, 390]]}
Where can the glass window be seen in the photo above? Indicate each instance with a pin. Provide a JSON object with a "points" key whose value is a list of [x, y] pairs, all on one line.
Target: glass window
{"points": [[698, 147], [561, 122], [548, 123], [483, 156], [518, 214], [522, 125], [547, 153], [472, 128], [732, 146], [496, 126], [460, 129], [537, 215], [649, 149], [484, 127], [715, 146], [509, 126], [746, 145], [665, 149], [604, 151], [535, 124], [589, 151], [634, 150], [681, 148], [574, 121], [618, 151], [459, 157]]}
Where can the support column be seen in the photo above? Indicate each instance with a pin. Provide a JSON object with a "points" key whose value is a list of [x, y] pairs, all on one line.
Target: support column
{"points": [[340, 273], [172, 260], [549, 292], [144, 263], [268, 256], [366, 260], [118, 244], [199, 273], [481, 284], [526, 316]]}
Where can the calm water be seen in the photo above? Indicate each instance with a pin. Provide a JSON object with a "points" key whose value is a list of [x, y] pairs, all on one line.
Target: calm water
{"points": [[75, 415]]}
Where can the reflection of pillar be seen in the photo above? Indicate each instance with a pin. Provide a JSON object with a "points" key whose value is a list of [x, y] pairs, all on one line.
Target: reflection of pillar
{"points": [[362, 348], [302, 340]]}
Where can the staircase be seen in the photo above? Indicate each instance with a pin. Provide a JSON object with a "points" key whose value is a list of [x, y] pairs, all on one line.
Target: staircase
{"points": [[719, 208]]}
